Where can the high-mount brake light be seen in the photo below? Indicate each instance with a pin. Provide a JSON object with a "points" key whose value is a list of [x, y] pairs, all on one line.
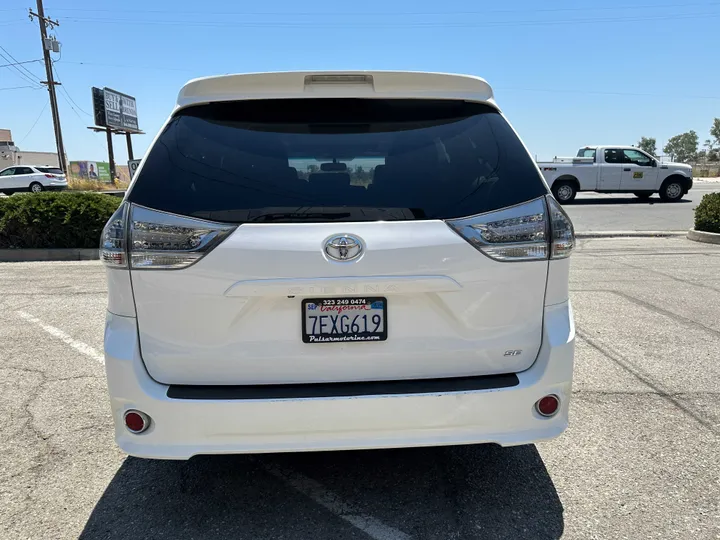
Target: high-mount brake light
{"points": [[339, 78]]}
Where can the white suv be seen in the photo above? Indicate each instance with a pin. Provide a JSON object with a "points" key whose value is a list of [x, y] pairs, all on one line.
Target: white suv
{"points": [[318, 261], [35, 178]]}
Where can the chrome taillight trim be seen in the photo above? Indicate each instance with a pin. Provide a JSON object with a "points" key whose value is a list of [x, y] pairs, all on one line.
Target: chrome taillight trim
{"points": [[555, 210], [160, 229], [536, 236], [529, 216], [124, 212], [213, 233]]}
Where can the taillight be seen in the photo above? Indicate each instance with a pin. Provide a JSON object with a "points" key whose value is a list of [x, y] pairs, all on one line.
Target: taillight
{"points": [[50, 176], [536, 230], [112, 241], [157, 240], [562, 233]]}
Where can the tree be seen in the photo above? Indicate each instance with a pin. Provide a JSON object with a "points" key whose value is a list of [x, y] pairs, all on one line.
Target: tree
{"points": [[715, 131], [648, 144], [712, 153], [682, 147]]}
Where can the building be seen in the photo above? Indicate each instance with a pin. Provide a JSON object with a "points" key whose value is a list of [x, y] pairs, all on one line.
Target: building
{"points": [[12, 155]]}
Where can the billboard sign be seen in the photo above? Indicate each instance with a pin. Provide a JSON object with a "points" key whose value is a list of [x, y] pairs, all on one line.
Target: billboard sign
{"points": [[90, 170], [114, 109]]}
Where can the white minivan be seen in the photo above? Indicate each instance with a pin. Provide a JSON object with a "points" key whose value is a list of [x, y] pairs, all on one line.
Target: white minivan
{"points": [[324, 261]]}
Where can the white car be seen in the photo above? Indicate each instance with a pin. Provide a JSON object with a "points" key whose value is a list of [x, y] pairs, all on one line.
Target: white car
{"points": [[324, 261], [616, 169], [35, 178]]}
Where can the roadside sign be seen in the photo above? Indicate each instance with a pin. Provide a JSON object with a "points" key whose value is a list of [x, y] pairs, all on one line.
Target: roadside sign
{"points": [[114, 109], [133, 164], [91, 170]]}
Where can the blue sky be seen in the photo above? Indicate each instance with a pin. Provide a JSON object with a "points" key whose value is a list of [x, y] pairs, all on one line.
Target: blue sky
{"points": [[565, 75]]}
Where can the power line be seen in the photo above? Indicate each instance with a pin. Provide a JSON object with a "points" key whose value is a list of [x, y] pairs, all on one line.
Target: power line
{"points": [[496, 88], [400, 13], [20, 87], [12, 65], [34, 123], [157, 68], [400, 24], [16, 63], [69, 97], [601, 93], [73, 108]]}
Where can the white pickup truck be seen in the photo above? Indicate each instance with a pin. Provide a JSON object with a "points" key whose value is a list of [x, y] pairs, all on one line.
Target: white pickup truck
{"points": [[616, 169]]}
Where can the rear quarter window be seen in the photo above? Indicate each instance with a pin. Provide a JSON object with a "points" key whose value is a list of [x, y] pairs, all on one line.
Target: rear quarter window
{"points": [[336, 160]]}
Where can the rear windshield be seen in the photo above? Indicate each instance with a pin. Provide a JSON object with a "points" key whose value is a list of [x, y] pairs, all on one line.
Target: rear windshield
{"points": [[336, 160], [50, 170]]}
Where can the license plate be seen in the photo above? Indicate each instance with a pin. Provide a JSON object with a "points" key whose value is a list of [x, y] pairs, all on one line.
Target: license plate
{"points": [[332, 320]]}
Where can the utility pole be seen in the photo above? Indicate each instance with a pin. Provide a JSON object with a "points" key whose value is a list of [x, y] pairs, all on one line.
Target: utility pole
{"points": [[44, 23]]}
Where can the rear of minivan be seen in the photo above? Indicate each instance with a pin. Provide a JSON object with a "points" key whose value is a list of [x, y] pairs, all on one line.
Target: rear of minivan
{"points": [[336, 261]]}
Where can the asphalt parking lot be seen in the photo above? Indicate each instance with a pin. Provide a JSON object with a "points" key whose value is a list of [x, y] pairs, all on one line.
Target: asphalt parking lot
{"points": [[625, 212], [640, 459]]}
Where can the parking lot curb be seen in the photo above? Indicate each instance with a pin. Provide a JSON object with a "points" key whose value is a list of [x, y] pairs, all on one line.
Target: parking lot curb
{"points": [[27, 255], [629, 234], [702, 236]]}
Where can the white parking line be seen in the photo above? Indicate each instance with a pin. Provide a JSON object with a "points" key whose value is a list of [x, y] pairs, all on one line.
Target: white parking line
{"points": [[309, 487], [79, 346]]}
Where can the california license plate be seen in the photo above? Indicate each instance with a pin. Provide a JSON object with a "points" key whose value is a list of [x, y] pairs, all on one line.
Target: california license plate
{"points": [[332, 320]]}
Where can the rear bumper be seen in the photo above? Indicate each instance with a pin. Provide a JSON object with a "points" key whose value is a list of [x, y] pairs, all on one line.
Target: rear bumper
{"points": [[55, 188], [182, 428]]}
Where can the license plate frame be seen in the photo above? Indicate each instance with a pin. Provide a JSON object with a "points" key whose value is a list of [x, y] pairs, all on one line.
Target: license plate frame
{"points": [[344, 337]]}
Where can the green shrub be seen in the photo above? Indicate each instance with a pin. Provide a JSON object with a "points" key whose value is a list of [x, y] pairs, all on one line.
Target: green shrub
{"points": [[707, 213], [54, 220]]}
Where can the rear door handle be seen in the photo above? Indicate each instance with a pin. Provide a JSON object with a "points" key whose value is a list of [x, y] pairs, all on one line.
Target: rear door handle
{"points": [[627, 170]]}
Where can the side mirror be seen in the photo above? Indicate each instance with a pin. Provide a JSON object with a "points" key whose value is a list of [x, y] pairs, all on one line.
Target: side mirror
{"points": [[654, 163]]}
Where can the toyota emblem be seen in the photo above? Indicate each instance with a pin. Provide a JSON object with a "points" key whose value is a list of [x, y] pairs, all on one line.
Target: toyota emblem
{"points": [[343, 247]]}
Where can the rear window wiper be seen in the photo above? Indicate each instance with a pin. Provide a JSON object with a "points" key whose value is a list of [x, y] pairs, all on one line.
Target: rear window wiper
{"points": [[300, 216]]}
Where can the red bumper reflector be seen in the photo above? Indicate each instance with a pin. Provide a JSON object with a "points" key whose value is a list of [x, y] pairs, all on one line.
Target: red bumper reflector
{"points": [[548, 405], [136, 421]]}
